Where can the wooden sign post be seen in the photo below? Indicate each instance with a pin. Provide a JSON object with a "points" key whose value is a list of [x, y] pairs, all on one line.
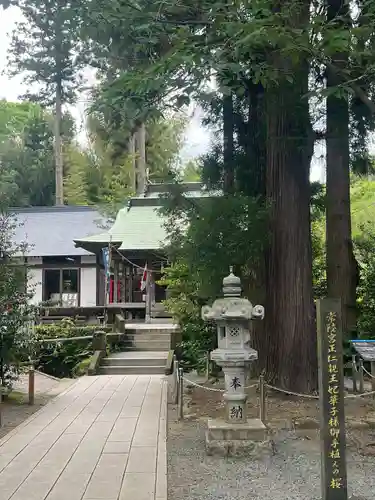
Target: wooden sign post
{"points": [[331, 392]]}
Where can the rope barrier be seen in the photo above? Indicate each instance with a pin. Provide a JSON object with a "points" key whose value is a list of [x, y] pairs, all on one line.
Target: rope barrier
{"points": [[291, 393], [65, 339], [362, 395], [310, 396], [133, 263], [213, 389], [368, 373], [277, 389]]}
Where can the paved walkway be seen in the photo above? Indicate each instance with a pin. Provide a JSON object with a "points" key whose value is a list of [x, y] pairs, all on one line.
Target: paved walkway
{"points": [[102, 439]]}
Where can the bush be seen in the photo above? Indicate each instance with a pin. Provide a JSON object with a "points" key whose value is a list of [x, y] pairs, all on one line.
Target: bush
{"points": [[220, 232], [365, 250], [81, 368], [16, 313], [64, 359]]}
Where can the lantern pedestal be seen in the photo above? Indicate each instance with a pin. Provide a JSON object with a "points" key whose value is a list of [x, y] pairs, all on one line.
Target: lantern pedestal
{"points": [[232, 314], [242, 439], [233, 362], [236, 435]]}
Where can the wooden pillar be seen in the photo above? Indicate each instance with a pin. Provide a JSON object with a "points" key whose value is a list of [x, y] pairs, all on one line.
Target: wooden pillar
{"points": [[123, 282], [331, 394], [148, 299], [149, 292], [128, 284], [115, 281]]}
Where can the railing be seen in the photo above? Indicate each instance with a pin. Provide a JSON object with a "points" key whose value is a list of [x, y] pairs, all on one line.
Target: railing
{"points": [[180, 379]]}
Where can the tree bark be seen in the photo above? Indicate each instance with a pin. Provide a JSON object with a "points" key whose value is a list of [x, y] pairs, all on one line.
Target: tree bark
{"points": [[59, 172], [341, 264], [228, 144], [141, 175], [257, 141], [291, 361], [131, 151], [253, 184]]}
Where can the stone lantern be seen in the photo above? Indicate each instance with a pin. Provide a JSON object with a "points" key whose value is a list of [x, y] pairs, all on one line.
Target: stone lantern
{"points": [[232, 315]]}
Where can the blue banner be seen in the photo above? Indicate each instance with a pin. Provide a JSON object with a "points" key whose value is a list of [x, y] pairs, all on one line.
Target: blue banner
{"points": [[105, 252]]}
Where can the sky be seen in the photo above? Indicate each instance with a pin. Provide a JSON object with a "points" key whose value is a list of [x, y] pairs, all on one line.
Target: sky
{"points": [[197, 138]]}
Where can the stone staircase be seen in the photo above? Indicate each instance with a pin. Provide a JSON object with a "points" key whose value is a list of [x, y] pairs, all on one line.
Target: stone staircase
{"points": [[134, 363], [145, 350]]}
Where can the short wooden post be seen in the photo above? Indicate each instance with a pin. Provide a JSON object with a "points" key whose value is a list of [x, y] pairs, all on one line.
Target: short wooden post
{"points": [[262, 399], [31, 385], [354, 373], [361, 379], [207, 365], [181, 395], [177, 382], [331, 395], [373, 376], [99, 341], [1, 406]]}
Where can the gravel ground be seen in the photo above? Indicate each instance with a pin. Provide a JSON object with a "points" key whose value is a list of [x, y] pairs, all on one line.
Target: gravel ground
{"points": [[16, 409], [292, 473]]}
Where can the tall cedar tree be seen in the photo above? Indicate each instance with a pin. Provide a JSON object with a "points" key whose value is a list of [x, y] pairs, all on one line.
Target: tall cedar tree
{"points": [[224, 47], [289, 305], [341, 264], [46, 46]]}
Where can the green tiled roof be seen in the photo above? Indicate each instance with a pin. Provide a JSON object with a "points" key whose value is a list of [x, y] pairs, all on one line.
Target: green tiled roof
{"points": [[136, 228], [140, 226], [143, 229]]}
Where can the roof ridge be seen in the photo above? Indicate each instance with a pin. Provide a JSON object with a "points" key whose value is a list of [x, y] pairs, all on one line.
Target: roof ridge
{"points": [[62, 208]]}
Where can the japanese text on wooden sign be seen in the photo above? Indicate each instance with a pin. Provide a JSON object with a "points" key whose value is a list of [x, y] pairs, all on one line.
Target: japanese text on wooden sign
{"points": [[334, 483]]}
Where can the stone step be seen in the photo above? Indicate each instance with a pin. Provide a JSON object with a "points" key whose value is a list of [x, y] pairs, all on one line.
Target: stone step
{"points": [[148, 336], [136, 361], [132, 370], [147, 345], [146, 331]]}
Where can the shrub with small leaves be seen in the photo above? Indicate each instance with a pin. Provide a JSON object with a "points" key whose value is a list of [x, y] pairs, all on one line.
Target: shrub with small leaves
{"points": [[17, 315]]}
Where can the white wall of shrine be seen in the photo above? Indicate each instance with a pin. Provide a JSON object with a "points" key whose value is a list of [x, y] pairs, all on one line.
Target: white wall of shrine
{"points": [[88, 286], [87, 281], [35, 280]]}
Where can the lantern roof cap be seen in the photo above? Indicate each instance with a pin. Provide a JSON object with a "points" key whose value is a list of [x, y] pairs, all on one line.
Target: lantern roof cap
{"points": [[232, 285]]}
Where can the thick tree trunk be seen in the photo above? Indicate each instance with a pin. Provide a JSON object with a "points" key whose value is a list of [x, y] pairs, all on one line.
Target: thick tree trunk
{"points": [[290, 327], [59, 169], [341, 264], [140, 171], [228, 144], [253, 184], [131, 151], [256, 147]]}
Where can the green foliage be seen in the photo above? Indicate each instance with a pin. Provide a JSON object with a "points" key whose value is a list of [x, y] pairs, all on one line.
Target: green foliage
{"points": [[184, 303], [63, 359], [362, 193], [102, 174], [207, 236], [13, 117], [363, 213], [17, 340], [26, 154], [81, 368], [365, 249], [66, 328], [191, 172], [46, 46]]}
